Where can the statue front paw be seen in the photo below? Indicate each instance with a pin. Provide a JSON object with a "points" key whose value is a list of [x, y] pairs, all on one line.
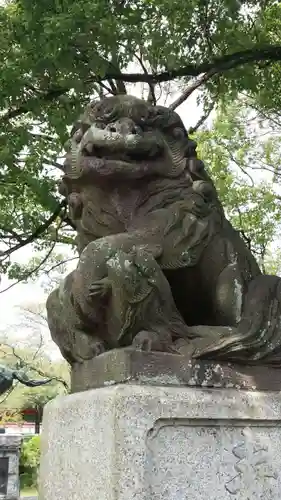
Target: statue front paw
{"points": [[100, 288]]}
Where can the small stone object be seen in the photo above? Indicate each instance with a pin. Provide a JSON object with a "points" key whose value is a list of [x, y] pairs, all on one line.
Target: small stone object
{"points": [[131, 366]]}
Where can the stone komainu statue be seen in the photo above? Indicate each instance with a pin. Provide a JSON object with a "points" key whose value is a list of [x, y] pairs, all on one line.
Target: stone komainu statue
{"points": [[160, 267]]}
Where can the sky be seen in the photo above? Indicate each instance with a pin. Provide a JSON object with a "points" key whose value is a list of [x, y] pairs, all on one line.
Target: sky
{"points": [[14, 300]]}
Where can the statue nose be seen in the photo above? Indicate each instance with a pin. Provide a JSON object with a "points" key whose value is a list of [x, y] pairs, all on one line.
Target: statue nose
{"points": [[124, 127]]}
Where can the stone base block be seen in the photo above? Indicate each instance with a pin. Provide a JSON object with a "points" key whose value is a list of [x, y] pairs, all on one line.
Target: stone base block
{"points": [[123, 366], [134, 442]]}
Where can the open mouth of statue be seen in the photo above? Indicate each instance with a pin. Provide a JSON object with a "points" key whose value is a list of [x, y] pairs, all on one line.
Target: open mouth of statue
{"points": [[100, 143], [125, 156]]}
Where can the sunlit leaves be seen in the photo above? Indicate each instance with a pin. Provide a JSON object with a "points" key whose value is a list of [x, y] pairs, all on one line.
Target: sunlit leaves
{"points": [[242, 153]]}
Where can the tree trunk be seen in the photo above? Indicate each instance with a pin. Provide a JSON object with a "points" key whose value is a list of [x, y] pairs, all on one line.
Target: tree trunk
{"points": [[38, 419]]}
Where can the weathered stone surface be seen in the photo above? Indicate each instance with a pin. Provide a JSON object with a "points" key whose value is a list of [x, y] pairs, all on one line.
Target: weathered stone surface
{"points": [[132, 366], [160, 267], [10, 448], [151, 443]]}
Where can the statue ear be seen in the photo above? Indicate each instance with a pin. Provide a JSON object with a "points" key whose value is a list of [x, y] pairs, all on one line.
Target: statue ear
{"points": [[179, 133]]}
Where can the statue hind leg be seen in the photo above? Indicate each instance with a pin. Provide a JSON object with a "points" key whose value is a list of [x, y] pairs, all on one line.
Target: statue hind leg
{"points": [[258, 334]]}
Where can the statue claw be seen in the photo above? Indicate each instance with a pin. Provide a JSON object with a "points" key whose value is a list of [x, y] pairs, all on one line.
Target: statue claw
{"points": [[100, 288], [98, 348]]}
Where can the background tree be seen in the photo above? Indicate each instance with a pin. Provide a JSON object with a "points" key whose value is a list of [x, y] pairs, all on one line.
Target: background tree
{"points": [[37, 364], [29, 462], [58, 55], [242, 154]]}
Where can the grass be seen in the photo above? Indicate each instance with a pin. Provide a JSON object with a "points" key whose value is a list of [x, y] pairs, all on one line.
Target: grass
{"points": [[28, 492]]}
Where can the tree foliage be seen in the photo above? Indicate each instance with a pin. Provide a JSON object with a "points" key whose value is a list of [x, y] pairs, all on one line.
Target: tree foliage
{"points": [[36, 364], [242, 153], [29, 461], [57, 55], [30, 453]]}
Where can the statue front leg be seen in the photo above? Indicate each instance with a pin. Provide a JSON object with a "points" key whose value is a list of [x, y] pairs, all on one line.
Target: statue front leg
{"points": [[123, 276], [142, 311], [76, 341]]}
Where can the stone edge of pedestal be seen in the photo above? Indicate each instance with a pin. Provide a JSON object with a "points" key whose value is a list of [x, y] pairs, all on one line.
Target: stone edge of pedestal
{"points": [[128, 366]]}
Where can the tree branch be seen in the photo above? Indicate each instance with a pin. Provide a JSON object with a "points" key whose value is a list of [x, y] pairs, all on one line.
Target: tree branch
{"points": [[246, 238], [232, 157], [269, 53], [151, 96], [44, 260], [60, 263], [105, 87], [191, 88], [70, 223], [241, 231], [202, 119], [32, 271], [38, 232], [262, 113], [12, 234], [30, 366], [120, 86], [26, 106], [221, 64], [54, 164]]}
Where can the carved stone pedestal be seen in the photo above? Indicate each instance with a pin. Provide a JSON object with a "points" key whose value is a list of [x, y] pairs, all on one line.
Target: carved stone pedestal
{"points": [[9, 466], [152, 440]]}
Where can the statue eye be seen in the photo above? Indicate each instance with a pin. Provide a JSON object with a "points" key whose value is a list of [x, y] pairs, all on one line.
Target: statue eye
{"points": [[100, 124], [179, 133]]}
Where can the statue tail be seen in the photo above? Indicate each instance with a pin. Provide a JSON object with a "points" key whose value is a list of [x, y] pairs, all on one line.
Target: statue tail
{"points": [[258, 337]]}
